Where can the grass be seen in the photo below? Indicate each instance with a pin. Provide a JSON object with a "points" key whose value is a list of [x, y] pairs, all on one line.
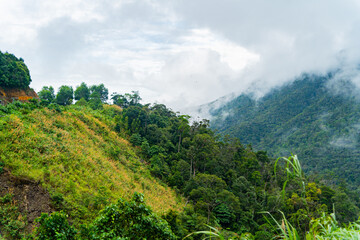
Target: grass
{"points": [[12, 223], [76, 155]]}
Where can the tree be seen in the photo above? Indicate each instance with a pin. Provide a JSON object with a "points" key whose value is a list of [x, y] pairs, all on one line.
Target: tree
{"points": [[183, 128], [208, 191], [95, 101], [101, 90], [201, 152], [130, 220], [120, 100], [47, 95], [13, 72], [65, 95], [82, 91], [127, 99]]}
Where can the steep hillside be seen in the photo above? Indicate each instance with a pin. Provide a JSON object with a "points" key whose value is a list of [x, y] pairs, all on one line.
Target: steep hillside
{"points": [[308, 117], [78, 159]]}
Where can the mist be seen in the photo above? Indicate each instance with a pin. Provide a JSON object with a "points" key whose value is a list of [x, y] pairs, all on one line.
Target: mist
{"points": [[181, 53]]}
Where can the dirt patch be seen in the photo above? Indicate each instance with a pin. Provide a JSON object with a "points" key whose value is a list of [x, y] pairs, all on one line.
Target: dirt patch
{"points": [[8, 95], [29, 196]]}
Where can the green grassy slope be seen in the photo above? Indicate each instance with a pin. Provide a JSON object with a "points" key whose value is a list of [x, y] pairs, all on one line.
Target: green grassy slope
{"points": [[77, 157]]}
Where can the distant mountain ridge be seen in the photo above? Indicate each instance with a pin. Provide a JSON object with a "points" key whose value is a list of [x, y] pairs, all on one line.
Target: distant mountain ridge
{"points": [[307, 117]]}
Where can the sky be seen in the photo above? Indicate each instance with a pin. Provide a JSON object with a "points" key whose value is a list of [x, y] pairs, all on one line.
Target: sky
{"points": [[180, 53]]}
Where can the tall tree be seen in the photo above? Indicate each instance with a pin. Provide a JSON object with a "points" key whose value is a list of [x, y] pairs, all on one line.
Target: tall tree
{"points": [[101, 90], [82, 91], [47, 94], [127, 99], [65, 95]]}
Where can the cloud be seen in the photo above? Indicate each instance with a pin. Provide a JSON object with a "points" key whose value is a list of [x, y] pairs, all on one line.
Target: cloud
{"points": [[200, 67], [290, 37], [181, 53]]}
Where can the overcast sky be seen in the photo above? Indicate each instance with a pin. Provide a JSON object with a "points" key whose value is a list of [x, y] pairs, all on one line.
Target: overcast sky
{"points": [[177, 52]]}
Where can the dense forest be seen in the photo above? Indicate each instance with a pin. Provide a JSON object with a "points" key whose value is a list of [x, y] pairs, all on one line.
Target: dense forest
{"points": [[129, 170], [316, 117]]}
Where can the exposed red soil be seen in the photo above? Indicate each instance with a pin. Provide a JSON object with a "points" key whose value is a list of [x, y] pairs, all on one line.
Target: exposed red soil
{"points": [[12, 94]]}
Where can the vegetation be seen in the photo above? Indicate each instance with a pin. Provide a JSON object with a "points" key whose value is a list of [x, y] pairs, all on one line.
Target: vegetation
{"points": [[89, 154], [54, 226], [124, 220], [47, 95], [131, 220], [11, 221], [13, 72], [78, 158], [310, 117], [65, 96]]}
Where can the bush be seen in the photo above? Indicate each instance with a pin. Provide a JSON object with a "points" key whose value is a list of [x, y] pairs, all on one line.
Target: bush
{"points": [[54, 226], [57, 200], [130, 220], [54, 106]]}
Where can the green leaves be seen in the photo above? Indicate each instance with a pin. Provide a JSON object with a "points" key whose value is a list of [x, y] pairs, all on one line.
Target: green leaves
{"points": [[82, 91], [65, 95], [293, 171], [12, 223], [287, 231], [54, 226], [130, 220], [13, 72], [47, 95]]}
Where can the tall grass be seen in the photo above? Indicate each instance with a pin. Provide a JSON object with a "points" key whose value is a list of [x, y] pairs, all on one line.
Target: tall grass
{"points": [[287, 231], [293, 171]]}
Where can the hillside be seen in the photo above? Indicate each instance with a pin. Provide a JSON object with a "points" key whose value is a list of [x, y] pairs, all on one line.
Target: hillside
{"points": [[84, 163], [308, 117], [76, 156]]}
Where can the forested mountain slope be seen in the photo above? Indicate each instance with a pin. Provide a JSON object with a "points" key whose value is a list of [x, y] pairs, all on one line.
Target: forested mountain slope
{"points": [[309, 117]]}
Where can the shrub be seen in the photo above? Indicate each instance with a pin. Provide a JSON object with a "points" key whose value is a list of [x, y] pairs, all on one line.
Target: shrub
{"points": [[54, 226], [130, 220]]}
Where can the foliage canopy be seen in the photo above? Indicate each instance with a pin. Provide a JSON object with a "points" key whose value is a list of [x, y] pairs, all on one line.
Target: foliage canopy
{"points": [[13, 72]]}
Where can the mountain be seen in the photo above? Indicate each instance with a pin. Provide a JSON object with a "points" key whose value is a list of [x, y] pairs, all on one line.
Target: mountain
{"points": [[315, 117], [88, 170]]}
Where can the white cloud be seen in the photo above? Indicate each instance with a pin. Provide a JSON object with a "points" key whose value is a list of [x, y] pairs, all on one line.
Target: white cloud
{"points": [[179, 52]]}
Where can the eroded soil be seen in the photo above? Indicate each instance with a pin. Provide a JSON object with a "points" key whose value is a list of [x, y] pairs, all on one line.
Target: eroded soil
{"points": [[28, 195]]}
